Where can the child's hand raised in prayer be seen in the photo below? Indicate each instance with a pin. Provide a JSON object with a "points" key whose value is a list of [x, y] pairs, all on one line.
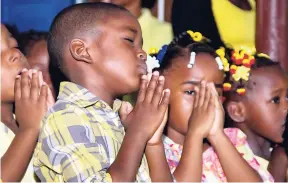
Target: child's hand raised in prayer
{"points": [[218, 123], [151, 105], [203, 114], [32, 100], [278, 163], [126, 108]]}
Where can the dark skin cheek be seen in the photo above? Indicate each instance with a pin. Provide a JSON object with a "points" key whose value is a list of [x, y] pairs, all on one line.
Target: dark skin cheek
{"points": [[263, 121], [180, 111]]}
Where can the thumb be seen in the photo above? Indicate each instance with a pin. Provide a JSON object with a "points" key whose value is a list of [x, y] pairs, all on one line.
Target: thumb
{"points": [[125, 109], [50, 98]]}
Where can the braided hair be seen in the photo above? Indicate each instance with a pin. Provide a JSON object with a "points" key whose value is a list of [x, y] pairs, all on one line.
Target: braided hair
{"points": [[194, 42], [239, 67]]}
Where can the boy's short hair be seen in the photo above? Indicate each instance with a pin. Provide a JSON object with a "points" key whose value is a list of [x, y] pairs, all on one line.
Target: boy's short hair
{"points": [[77, 19]]}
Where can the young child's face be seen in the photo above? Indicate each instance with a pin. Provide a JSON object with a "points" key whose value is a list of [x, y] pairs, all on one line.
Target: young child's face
{"points": [[182, 81], [267, 103], [12, 63], [38, 59], [121, 52]]}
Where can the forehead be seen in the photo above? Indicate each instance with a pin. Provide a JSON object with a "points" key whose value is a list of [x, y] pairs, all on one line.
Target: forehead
{"points": [[268, 79], [38, 47], [205, 67], [6, 39], [121, 20], [4, 32]]}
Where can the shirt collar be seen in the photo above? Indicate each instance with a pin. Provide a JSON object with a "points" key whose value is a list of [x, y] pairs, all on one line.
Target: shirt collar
{"points": [[82, 97]]}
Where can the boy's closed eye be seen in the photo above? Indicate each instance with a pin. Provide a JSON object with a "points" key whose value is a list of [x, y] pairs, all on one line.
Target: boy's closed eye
{"points": [[129, 40]]}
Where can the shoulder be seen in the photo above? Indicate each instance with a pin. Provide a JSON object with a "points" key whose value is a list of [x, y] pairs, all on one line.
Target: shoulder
{"points": [[236, 136]]}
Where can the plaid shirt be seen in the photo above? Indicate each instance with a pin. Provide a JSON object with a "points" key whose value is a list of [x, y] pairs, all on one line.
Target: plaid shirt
{"points": [[80, 139]]}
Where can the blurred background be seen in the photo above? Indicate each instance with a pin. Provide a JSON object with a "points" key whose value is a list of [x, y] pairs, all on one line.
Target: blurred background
{"points": [[243, 24]]}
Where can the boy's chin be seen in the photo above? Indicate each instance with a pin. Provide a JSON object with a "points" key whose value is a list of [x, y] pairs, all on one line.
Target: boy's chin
{"points": [[131, 88]]}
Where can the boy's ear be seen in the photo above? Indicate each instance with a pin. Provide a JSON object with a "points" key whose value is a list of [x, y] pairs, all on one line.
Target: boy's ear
{"points": [[236, 111], [79, 51]]}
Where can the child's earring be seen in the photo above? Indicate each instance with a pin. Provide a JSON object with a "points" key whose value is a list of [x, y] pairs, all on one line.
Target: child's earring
{"points": [[219, 63], [192, 60]]}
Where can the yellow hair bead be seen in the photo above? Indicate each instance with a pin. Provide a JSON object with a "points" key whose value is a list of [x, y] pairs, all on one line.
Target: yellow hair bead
{"points": [[153, 51], [221, 52], [197, 37], [227, 86], [241, 91], [191, 33]]}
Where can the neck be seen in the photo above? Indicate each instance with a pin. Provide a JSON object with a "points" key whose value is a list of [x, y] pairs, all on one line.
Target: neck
{"points": [[259, 145], [134, 7], [7, 116], [175, 136]]}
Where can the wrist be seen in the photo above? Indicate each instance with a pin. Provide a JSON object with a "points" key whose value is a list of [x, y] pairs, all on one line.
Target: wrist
{"points": [[137, 134], [30, 133], [30, 130], [216, 137], [195, 134], [155, 144]]}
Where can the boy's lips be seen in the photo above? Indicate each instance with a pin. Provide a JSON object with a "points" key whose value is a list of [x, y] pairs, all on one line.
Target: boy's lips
{"points": [[143, 68]]}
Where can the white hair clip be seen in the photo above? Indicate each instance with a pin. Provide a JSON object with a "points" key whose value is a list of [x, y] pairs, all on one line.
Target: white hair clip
{"points": [[152, 63], [219, 62], [192, 60]]}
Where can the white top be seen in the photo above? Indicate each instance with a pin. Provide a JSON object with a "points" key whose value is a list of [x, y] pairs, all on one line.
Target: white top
{"points": [[6, 137]]}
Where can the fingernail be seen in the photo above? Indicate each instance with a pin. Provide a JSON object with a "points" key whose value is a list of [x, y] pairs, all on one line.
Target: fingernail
{"points": [[144, 77], [24, 70], [161, 78], [18, 76], [34, 71], [167, 90], [156, 73]]}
